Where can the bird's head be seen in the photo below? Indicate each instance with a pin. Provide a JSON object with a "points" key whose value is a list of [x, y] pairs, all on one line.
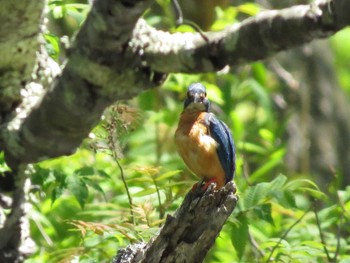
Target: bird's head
{"points": [[197, 98]]}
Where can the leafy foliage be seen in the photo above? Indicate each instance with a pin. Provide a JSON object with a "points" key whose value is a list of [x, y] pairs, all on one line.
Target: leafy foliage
{"points": [[126, 176]]}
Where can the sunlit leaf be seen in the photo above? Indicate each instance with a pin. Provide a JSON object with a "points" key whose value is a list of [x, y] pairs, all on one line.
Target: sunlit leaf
{"points": [[297, 183], [278, 183], [145, 192], [265, 168], [240, 235], [78, 188], [251, 147], [214, 93], [249, 9], [255, 195], [167, 175], [52, 45], [266, 135], [260, 73]]}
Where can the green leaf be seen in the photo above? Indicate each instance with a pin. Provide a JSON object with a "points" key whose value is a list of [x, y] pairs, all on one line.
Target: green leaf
{"points": [[260, 93], [249, 9], [259, 72], [3, 165], [305, 185], [145, 192], [289, 199], [85, 171], [52, 45], [264, 212], [267, 135], [56, 193], [167, 175], [186, 183], [58, 12], [278, 183], [269, 165], [344, 196], [89, 171], [96, 186], [240, 235], [140, 179], [251, 147], [78, 188], [258, 194], [214, 93], [315, 193], [296, 184], [255, 195]]}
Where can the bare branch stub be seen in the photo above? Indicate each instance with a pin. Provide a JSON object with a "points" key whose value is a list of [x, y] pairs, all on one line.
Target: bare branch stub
{"points": [[190, 233]]}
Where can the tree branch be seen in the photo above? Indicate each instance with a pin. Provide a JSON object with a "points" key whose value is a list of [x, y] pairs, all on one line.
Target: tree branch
{"points": [[15, 243], [190, 233], [99, 71], [20, 26], [253, 39]]}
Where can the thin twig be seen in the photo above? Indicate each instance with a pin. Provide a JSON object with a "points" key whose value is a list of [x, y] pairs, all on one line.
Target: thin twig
{"points": [[111, 128], [161, 210], [285, 234], [321, 234], [180, 20], [338, 239], [255, 244], [159, 144], [42, 232], [178, 12], [126, 189]]}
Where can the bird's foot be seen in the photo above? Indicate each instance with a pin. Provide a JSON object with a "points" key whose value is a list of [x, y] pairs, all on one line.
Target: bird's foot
{"points": [[204, 185]]}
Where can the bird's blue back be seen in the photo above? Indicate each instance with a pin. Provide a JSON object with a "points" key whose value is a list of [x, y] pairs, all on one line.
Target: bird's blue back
{"points": [[221, 134]]}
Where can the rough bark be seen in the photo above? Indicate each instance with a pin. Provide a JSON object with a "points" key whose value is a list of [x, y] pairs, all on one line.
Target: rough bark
{"points": [[21, 55], [190, 233], [15, 242], [19, 41]]}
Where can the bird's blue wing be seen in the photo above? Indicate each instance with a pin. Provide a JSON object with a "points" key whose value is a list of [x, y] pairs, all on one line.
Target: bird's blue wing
{"points": [[225, 150]]}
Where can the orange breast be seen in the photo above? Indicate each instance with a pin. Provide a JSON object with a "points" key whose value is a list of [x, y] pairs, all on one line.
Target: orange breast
{"points": [[197, 148]]}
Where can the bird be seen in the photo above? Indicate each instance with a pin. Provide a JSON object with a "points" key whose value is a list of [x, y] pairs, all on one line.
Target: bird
{"points": [[204, 142]]}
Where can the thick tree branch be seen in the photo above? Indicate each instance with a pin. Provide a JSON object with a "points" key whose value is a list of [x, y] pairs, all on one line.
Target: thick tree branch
{"points": [[190, 233], [99, 71], [20, 26], [254, 39]]}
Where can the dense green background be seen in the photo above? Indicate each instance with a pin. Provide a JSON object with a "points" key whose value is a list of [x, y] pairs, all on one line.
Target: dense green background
{"points": [[81, 209]]}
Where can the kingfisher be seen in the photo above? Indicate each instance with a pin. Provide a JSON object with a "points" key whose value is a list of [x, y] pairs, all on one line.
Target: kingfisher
{"points": [[204, 142]]}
